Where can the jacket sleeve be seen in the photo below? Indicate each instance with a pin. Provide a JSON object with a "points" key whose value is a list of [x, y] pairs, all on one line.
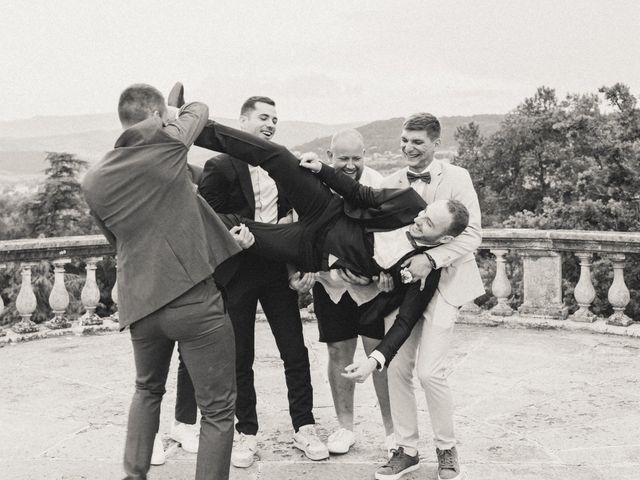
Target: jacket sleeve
{"points": [[111, 238], [411, 309], [214, 186], [469, 240], [351, 190], [191, 119]]}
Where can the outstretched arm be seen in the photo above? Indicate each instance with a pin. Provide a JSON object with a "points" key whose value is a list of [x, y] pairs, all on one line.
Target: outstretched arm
{"points": [[190, 121], [351, 190]]}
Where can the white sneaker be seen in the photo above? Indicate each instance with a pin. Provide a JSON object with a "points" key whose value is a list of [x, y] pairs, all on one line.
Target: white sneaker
{"points": [[158, 457], [243, 450], [390, 444], [186, 435], [341, 441], [306, 439]]}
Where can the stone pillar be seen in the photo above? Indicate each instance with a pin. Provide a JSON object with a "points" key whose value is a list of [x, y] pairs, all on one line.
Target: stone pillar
{"points": [[2, 332], [618, 294], [59, 297], [542, 285], [584, 292], [501, 287], [26, 303], [469, 308], [114, 296], [90, 295]]}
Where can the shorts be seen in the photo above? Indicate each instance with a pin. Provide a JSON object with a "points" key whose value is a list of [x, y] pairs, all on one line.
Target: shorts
{"points": [[341, 321]]}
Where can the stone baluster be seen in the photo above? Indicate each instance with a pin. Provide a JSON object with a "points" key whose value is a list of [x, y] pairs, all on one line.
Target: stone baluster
{"points": [[90, 295], [542, 275], [501, 287], [2, 332], [59, 297], [114, 296], [26, 303], [584, 292], [618, 294]]}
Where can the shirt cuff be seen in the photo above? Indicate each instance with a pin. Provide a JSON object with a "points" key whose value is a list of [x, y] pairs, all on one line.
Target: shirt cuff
{"points": [[378, 357]]}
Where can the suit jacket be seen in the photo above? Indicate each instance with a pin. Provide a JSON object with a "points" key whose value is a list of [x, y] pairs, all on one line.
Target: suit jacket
{"points": [[226, 186], [366, 210], [167, 238], [460, 281]]}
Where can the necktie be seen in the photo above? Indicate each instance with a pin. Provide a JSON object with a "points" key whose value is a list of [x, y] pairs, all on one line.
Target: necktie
{"points": [[412, 177]]}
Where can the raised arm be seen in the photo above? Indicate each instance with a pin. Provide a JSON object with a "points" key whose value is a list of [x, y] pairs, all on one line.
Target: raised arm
{"points": [[351, 190], [190, 121]]}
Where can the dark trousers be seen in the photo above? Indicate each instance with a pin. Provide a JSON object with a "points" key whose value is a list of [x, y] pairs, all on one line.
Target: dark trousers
{"points": [[197, 321], [314, 202], [264, 281]]}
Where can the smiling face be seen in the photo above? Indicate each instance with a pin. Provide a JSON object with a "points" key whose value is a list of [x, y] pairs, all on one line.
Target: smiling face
{"points": [[260, 121], [347, 155], [431, 225], [418, 149]]}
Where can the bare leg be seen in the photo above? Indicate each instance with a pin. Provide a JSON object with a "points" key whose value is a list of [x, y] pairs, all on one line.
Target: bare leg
{"points": [[342, 389], [380, 385]]}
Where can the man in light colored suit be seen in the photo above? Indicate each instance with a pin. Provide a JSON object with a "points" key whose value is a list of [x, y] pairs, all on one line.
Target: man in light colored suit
{"points": [[460, 282]]}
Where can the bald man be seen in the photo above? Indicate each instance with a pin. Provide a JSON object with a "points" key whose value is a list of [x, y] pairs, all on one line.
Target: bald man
{"points": [[338, 315]]}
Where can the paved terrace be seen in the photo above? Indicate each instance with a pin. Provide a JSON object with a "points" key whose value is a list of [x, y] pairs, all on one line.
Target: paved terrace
{"points": [[530, 404]]}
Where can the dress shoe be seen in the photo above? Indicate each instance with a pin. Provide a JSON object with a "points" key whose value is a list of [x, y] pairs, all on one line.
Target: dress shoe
{"points": [[176, 96]]}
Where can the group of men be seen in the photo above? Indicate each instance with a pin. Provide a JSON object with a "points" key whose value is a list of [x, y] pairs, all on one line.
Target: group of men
{"points": [[197, 250]]}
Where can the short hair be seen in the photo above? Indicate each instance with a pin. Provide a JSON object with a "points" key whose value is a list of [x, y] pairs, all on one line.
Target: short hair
{"points": [[250, 104], [423, 121], [138, 102], [346, 133], [459, 217]]}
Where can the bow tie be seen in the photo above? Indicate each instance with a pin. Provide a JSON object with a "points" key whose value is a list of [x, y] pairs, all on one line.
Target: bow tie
{"points": [[412, 177]]}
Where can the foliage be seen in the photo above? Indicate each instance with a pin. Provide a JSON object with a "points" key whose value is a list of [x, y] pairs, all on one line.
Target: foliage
{"points": [[563, 164], [57, 208]]}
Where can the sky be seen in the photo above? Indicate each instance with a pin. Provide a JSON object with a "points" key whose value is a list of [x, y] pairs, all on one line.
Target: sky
{"points": [[324, 61]]}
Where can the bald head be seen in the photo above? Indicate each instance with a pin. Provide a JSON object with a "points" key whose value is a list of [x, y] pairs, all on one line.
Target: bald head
{"points": [[347, 152]]}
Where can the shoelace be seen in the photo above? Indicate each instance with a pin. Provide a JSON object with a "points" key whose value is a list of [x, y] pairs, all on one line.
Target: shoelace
{"points": [[446, 459], [395, 456]]}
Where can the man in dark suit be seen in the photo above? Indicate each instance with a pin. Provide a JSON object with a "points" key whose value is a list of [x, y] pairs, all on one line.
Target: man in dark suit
{"points": [[169, 243], [231, 186], [342, 229]]}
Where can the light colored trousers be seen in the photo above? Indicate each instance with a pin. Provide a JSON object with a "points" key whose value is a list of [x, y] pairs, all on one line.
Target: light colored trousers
{"points": [[423, 353]]}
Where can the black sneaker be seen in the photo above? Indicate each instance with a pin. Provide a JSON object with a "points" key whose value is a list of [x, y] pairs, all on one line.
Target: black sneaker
{"points": [[448, 466], [399, 464]]}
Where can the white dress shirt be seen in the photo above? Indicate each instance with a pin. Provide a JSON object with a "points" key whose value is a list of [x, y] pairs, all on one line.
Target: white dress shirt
{"points": [[265, 195]]}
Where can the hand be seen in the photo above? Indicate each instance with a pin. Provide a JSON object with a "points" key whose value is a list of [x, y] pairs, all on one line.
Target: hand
{"points": [[420, 267], [302, 282], [384, 281], [310, 161], [242, 235], [360, 371], [350, 277], [288, 218]]}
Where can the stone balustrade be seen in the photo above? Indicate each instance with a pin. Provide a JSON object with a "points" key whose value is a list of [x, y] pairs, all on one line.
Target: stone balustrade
{"points": [[59, 251], [539, 249], [542, 274]]}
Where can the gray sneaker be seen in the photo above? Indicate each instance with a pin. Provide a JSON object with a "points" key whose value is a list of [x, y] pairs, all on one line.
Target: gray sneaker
{"points": [[399, 464], [448, 465]]}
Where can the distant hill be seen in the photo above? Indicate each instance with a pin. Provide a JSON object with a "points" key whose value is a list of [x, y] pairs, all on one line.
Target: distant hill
{"points": [[24, 143], [383, 136]]}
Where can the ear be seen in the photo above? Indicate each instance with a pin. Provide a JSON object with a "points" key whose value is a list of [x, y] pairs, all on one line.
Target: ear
{"points": [[436, 142], [445, 239], [330, 155], [243, 119]]}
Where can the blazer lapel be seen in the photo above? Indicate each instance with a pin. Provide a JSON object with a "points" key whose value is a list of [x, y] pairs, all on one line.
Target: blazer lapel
{"points": [[436, 178], [244, 178]]}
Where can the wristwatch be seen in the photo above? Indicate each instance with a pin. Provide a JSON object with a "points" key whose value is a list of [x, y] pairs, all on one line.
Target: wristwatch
{"points": [[431, 260]]}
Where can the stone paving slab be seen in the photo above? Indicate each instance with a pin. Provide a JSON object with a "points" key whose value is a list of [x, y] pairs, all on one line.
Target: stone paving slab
{"points": [[530, 404]]}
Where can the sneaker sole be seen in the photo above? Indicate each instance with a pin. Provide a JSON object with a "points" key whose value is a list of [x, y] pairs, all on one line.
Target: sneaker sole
{"points": [[461, 476], [338, 451], [412, 468], [245, 464], [310, 456]]}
